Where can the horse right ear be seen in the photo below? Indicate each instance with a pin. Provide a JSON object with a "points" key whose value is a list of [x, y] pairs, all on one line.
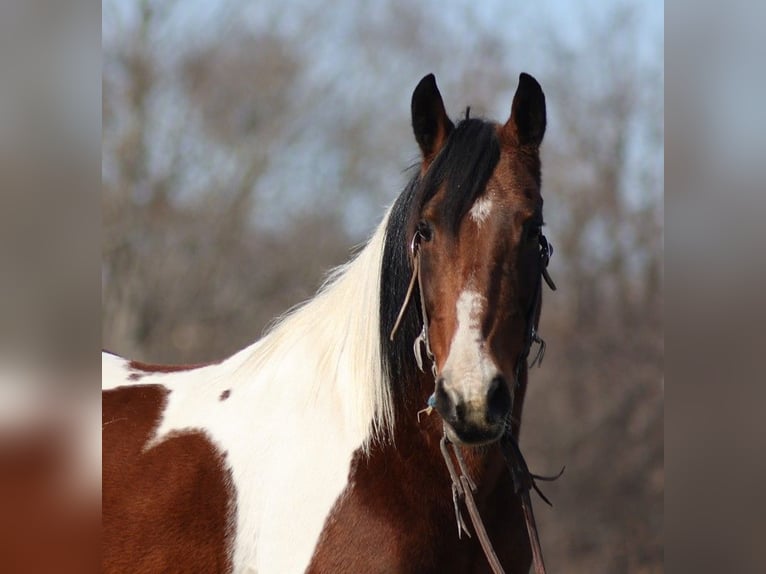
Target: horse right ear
{"points": [[430, 122], [527, 121]]}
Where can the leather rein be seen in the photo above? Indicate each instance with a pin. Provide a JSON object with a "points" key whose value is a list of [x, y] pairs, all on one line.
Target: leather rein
{"points": [[463, 486]]}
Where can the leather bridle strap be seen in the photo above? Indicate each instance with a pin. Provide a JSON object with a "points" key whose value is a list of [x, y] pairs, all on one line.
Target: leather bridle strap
{"points": [[463, 486], [523, 481], [423, 338]]}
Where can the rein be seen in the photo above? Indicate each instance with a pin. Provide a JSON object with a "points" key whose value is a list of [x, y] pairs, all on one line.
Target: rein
{"points": [[462, 484]]}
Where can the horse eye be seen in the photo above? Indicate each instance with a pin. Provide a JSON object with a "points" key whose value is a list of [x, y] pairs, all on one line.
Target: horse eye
{"points": [[424, 230]]}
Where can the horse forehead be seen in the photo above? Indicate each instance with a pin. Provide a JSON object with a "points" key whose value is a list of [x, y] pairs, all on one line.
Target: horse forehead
{"points": [[481, 208], [516, 173], [506, 199]]}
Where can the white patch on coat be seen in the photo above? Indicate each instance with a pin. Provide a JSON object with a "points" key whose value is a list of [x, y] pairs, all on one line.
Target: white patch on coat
{"points": [[302, 400], [468, 369], [481, 209]]}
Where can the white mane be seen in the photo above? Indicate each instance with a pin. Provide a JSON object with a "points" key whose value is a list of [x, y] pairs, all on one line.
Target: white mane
{"points": [[337, 333]]}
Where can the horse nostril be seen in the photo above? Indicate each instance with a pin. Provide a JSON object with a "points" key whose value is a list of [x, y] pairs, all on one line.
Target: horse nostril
{"points": [[460, 411], [443, 403], [498, 398]]}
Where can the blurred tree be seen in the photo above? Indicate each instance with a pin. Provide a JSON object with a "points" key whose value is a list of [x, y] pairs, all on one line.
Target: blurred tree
{"points": [[186, 275], [606, 160], [602, 386]]}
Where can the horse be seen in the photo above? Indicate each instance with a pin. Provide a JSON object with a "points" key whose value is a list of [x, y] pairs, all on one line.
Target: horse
{"points": [[310, 451]]}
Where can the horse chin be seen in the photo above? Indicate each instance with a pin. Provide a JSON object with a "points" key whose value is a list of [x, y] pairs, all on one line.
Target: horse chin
{"points": [[475, 437]]}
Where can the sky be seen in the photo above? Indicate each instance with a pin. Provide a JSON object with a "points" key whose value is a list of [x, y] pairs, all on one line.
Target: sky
{"points": [[196, 22], [564, 15]]}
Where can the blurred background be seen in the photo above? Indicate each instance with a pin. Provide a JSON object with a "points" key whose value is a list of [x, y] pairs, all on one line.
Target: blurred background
{"points": [[248, 147]]}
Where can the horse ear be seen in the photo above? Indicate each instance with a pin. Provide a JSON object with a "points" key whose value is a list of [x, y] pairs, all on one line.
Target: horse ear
{"points": [[527, 121], [430, 122]]}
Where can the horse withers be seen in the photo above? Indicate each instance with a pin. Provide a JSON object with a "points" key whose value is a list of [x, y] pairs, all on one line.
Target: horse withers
{"points": [[308, 451]]}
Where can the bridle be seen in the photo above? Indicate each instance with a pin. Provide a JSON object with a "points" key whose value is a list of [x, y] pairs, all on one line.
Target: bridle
{"points": [[462, 484]]}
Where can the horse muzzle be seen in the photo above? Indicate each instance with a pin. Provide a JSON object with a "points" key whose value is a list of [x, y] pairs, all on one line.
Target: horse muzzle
{"points": [[475, 414]]}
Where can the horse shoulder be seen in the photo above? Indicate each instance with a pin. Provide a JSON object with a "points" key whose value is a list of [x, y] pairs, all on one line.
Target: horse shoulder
{"points": [[166, 506]]}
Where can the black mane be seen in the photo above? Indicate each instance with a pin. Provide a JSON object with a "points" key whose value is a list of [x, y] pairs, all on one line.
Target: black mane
{"points": [[464, 165]]}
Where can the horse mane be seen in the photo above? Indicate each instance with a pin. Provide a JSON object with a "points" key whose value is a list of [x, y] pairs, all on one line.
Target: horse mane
{"points": [[465, 165], [335, 335]]}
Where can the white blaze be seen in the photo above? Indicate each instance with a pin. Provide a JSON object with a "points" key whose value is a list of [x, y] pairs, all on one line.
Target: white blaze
{"points": [[469, 369]]}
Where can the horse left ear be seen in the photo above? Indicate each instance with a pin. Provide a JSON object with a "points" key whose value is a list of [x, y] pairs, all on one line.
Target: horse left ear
{"points": [[527, 121], [430, 122]]}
